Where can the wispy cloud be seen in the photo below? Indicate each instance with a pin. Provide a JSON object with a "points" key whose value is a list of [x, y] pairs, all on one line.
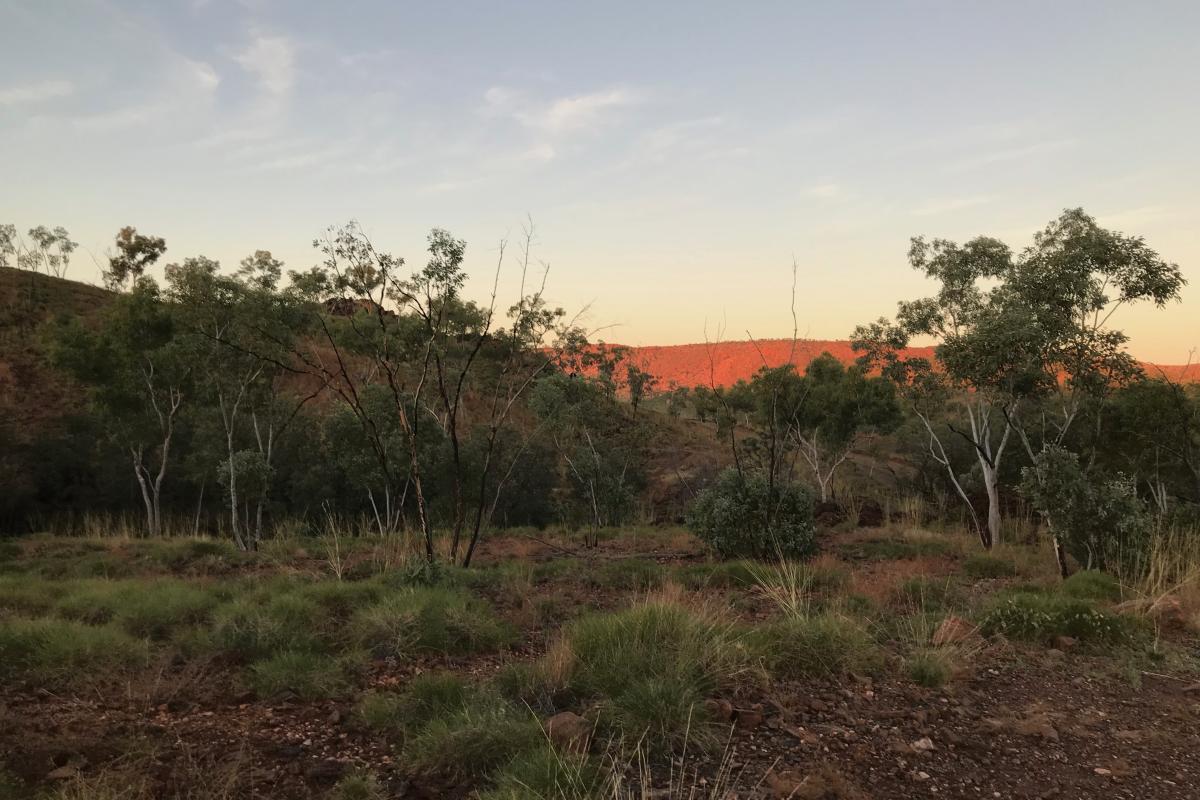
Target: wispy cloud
{"points": [[563, 115], [824, 191], [35, 92], [950, 204], [272, 61], [1011, 154]]}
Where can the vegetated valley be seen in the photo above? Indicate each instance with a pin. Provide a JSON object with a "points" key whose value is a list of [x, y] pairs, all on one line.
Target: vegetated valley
{"points": [[344, 533]]}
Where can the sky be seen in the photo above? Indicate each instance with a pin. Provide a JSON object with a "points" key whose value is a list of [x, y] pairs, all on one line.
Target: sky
{"points": [[676, 159]]}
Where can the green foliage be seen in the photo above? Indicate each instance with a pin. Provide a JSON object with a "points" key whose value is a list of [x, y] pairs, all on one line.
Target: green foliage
{"points": [[429, 620], [473, 741], [819, 645], [740, 515], [717, 574], [651, 667], [548, 774], [981, 566], [63, 652], [627, 573], [1100, 522], [146, 608], [358, 786], [1092, 585], [930, 594], [1042, 617], [929, 667], [254, 630], [310, 676]]}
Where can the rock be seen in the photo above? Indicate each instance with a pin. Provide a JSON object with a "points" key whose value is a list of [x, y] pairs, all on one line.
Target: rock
{"points": [[923, 745], [870, 515], [1036, 725], [326, 771], [953, 630], [825, 783], [62, 773], [748, 719], [569, 731], [335, 717], [719, 709], [1102, 771]]}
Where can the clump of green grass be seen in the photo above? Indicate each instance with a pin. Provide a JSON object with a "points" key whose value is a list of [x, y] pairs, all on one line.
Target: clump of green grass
{"points": [[627, 573], [821, 644], [1042, 617], [650, 668], [896, 549], [930, 594], [426, 698], [342, 598], [717, 574], [545, 773], [199, 556], [982, 566], [63, 652], [429, 620], [929, 666], [151, 608], [358, 786], [1092, 585], [473, 742], [30, 594], [255, 630], [310, 676]]}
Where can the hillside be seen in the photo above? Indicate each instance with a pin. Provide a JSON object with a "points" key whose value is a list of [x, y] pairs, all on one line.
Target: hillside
{"points": [[725, 363]]}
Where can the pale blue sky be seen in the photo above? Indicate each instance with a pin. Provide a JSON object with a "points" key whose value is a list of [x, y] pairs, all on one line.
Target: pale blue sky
{"points": [[675, 156]]}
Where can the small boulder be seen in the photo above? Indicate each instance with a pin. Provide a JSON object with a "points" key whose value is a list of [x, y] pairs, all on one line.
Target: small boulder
{"points": [[569, 731]]}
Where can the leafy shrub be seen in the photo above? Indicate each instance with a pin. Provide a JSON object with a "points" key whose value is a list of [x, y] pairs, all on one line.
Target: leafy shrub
{"points": [[61, 652], [740, 516], [1092, 585], [981, 566], [1100, 522], [823, 644], [311, 676], [1042, 617], [431, 620]]}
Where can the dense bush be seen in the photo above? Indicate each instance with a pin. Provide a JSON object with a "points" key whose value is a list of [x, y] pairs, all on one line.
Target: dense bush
{"points": [[1100, 521], [1042, 617], [739, 515]]}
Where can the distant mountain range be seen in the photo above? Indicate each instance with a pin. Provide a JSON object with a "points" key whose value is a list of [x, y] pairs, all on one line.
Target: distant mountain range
{"points": [[725, 363]]}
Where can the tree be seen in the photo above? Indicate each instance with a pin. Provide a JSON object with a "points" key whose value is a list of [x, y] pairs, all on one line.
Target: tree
{"points": [[1021, 341], [138, 368], [640, 383], [135, 254], [600, 461], [835, 407], [52, 251]]}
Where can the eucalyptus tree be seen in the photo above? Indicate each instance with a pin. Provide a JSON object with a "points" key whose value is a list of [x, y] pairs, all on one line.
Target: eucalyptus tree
{"points": [[138, 367], [244, 329], [1022, 340], [135, 254], [416, 335]]}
